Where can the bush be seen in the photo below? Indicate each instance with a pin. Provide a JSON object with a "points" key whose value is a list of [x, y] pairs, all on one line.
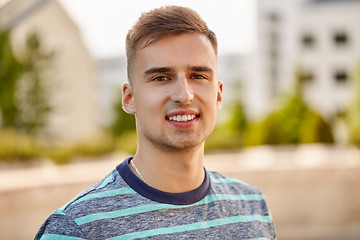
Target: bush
{"points": [[293, 123], [315, 129], [223, 138], [279, 128], [101, 145], [123, 122], [127, 142], [353, 114], [15, 146], [255, 134]]}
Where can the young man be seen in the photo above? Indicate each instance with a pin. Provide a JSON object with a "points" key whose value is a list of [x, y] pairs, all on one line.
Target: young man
{"points": [[164, 192]]}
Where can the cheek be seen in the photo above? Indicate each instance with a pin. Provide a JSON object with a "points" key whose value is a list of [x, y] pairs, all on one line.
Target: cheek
{"points": [[209, 96], [148, 102]]}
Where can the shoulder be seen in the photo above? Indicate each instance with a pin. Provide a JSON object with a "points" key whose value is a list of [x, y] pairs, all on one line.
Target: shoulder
{"points": [[59, 226], [232, 189], [68, 219], [242, 198], [110, 186], [223, 183]]}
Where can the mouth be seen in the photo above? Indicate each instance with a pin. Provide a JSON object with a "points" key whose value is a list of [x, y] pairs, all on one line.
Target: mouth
{"points": [[182, 118]]}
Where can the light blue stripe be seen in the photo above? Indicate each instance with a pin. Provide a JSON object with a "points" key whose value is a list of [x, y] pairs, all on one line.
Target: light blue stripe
{"points": [[109, 193], [106, 181], [59, 212], [193, 226], [58, 237], [226, 180], [154, 207], [120, 213]]}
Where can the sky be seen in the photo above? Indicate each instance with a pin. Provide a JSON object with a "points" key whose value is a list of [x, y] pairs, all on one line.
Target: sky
{"points": [[105, 23]]}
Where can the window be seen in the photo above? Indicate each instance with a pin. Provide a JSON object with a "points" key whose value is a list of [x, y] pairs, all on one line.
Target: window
{"points": [[273, 17], [341, 76], [340, 38], [308, 77], [308, 40]]}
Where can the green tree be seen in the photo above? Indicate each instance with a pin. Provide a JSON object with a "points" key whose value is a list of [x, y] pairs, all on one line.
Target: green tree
{"points": [[11, 69], [33, 97], [293, 123], [229, 134], [353, 114], [315, 129], [24, 102], [123, 128], [237, 121], [123, 122]]}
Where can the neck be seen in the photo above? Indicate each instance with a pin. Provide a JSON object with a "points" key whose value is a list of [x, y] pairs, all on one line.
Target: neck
{"points": [[172, 171]]}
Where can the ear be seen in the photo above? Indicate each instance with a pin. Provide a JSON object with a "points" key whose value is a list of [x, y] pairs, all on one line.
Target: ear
{"points": [[219, 95], [128, 103]]}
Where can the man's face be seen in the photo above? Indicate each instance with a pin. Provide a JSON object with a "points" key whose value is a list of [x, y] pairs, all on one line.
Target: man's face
{"points": [[175, 94]]}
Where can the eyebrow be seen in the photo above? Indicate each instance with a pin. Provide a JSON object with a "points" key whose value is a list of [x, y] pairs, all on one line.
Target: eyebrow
{"points": [[171, 69], [159, 70], [201, 69]]}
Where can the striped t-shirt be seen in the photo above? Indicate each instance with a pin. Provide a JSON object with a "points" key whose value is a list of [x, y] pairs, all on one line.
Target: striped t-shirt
{"points": [[121, 206]]}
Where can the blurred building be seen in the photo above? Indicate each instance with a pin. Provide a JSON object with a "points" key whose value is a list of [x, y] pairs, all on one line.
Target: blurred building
{"points": [[72, 82], [112, 74], [320, 38]]}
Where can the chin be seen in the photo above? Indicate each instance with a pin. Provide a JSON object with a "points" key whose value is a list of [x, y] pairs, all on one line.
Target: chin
{"points": [[185, 146]]}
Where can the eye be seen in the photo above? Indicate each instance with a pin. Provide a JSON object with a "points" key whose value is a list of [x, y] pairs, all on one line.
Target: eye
{"points": [[160, 78], [198, 76]]}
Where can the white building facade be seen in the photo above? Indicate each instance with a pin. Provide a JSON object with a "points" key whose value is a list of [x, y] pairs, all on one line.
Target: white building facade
{"points": [[321, 38]]}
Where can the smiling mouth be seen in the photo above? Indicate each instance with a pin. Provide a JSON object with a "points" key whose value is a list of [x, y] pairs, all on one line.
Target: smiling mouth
{"points": [[182, 118]]}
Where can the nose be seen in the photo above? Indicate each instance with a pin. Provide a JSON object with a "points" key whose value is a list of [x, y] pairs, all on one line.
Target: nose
{"points": [[182, 91]]}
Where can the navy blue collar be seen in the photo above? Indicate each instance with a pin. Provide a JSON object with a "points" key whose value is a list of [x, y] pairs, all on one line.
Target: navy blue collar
{"points": [[145, 190]]}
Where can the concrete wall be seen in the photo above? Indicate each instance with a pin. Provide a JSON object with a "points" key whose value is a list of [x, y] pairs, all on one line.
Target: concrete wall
{"points": [[318, 199]]}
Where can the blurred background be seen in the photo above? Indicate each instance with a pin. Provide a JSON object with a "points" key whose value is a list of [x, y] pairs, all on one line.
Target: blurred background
{"points": [[290, 123]]}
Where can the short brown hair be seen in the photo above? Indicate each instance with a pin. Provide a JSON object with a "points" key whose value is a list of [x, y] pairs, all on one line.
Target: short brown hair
{"points": [[163, 22]]}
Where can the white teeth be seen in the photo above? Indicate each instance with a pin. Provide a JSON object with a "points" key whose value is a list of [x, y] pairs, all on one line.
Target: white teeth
{"points": [[182, 118]]}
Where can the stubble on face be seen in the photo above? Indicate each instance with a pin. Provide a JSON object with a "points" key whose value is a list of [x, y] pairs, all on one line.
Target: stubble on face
{"points": [[183, 140]]}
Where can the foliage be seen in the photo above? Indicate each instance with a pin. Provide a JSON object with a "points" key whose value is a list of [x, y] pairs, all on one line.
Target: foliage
{"points": [[222, 138], [98, 146], [123, 128], [237, 121], [23, 100], [294, 123], [17, 146], [315, 129], [11, 70], [353, 114], [256, 133], [228, 135], [127, 142], [123, 122], [33, 98]]}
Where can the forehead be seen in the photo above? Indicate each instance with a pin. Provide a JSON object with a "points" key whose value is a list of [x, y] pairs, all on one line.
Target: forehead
{"points": [[176, 51]]}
